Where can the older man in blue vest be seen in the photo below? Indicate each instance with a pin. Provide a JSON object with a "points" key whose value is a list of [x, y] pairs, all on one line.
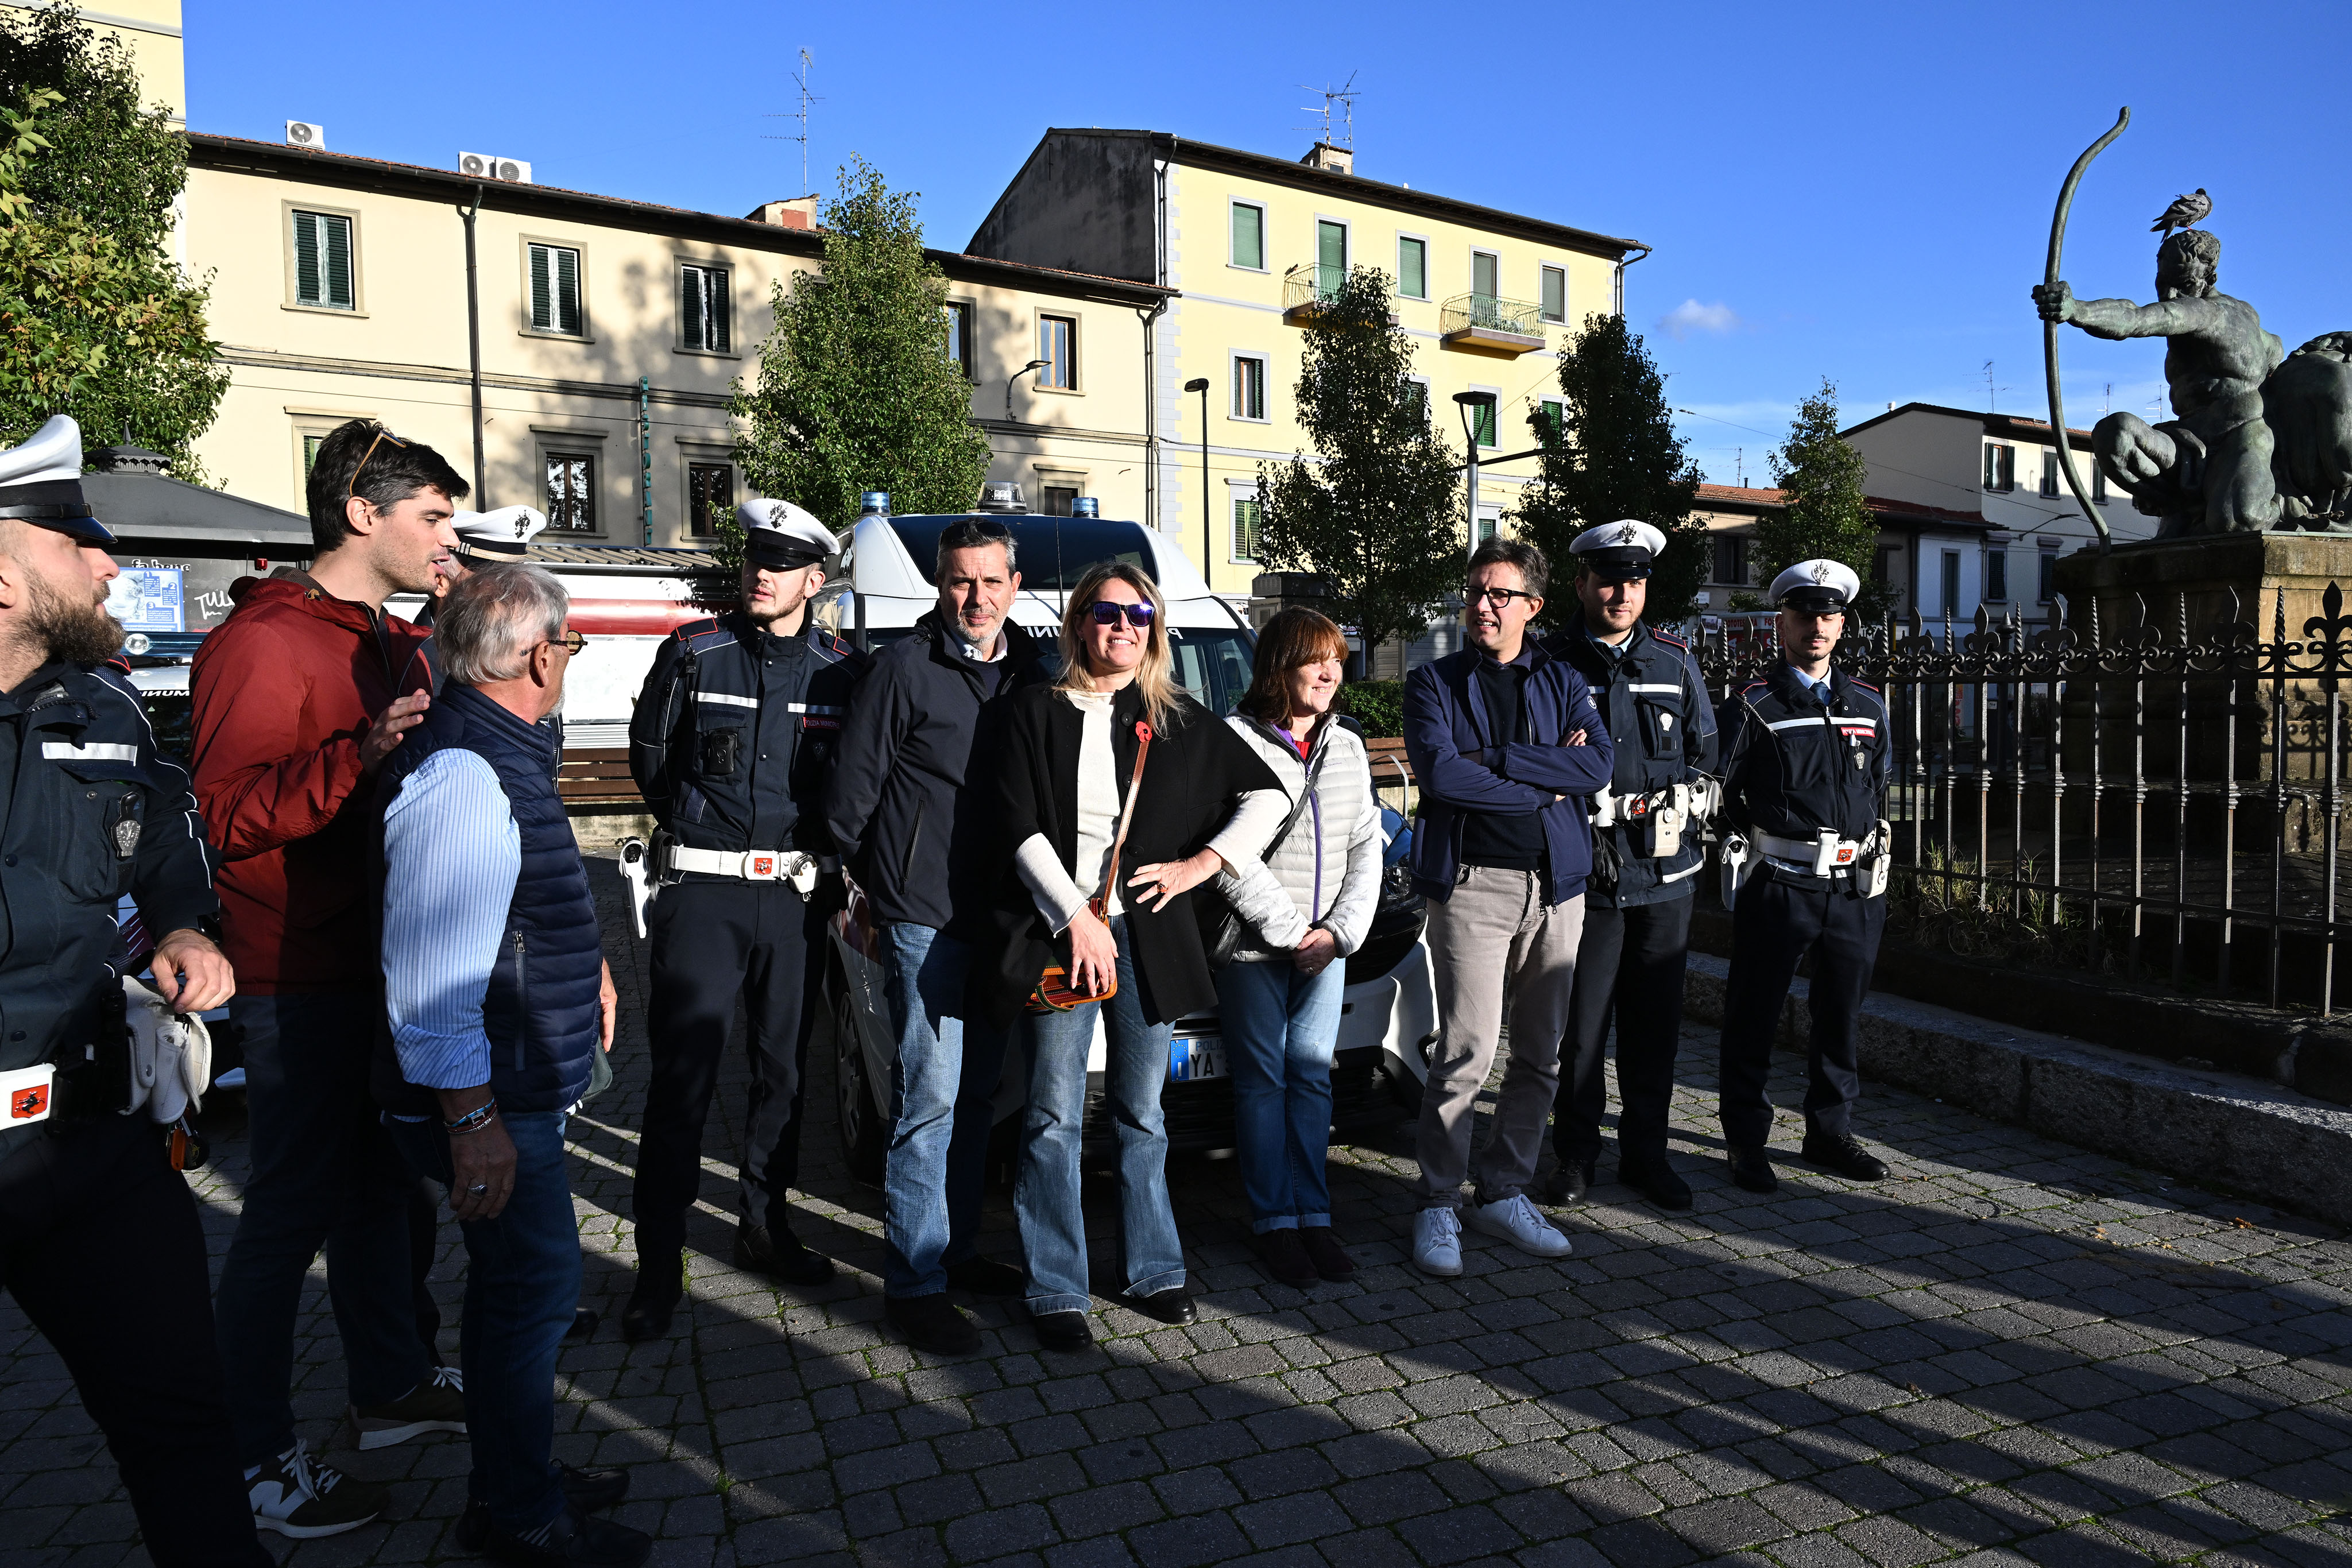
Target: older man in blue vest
{"points": [[494, 991]]}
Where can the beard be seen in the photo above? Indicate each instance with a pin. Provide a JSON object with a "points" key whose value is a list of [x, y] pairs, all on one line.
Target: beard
{"points": [[77, 632]]}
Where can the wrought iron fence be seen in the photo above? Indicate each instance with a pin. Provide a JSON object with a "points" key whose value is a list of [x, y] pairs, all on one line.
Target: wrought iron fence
{"points": [[1465, 312], [2158, 801]]}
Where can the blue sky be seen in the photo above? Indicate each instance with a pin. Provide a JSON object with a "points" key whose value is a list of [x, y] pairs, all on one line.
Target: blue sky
{"points": [[1856, 191]]}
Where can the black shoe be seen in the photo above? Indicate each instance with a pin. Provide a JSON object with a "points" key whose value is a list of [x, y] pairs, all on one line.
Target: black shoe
{"points": [[588, 1491], [650, 1307], [573, 1540], [1282, 1254], [1171, 1306], [583, 1327], [987, 1277], [1063, 1330], [1751, 1169], [1570, 1183], [1656, 1180], [779, 1255], [1323, 1249], [931, 1323], [1842, 1154]]}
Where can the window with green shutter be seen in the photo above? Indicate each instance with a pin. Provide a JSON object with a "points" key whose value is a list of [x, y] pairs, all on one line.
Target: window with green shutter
{"points": [[1482, 420], [1331, 257], [703, 316], [1249, 236], [1555, 294], [1412, 268], [1248, 518], [1550, 417], [555, 289], [323, 260]]}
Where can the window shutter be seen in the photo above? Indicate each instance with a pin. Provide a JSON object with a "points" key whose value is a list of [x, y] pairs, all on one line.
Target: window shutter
{"points": [[714, 279], [567, 290], [307, 290], [1482, 275], [1249, 236], [1555, 294], [338, 261], [690, 306], [1413, 270], [542, 303]]}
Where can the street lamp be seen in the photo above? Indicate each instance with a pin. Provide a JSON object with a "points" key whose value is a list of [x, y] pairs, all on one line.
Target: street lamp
{"points": [[1471, 403], [1032, 365], [1208, 556]]}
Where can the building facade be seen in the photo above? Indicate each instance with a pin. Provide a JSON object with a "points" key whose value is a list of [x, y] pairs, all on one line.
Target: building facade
{"points": [[1249, 243], [607, 334], [1930, 559]]}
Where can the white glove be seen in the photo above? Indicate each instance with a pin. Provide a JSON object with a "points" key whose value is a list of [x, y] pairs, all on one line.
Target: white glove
{"points": [[171, 1056]]}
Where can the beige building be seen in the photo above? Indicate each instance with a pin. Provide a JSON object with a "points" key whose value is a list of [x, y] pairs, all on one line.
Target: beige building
{"points": [[1250, 242], [592, 377], [1928, 557], [152, 30]]}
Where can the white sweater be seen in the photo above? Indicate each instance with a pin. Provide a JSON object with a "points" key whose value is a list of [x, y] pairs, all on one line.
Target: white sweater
{"points": [[1326, 870]]}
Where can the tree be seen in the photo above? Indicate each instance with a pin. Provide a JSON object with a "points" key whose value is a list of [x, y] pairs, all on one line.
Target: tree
{"points": [[1615, 455], [1380, 517], [856, 391], [96, 320], [1823, 514]]}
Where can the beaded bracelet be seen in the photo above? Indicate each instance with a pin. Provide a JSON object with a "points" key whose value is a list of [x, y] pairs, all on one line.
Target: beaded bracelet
{"points": [[473, 1121]]}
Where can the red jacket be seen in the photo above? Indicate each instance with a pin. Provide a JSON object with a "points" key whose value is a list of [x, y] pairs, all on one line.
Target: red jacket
{"points": [[283, 691]]}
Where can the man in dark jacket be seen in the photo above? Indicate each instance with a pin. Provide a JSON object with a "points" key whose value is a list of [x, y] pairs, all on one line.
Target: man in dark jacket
{"points": [[1508, 749], [904, 806], [1647, 857], [493, 970], [732, 742]]}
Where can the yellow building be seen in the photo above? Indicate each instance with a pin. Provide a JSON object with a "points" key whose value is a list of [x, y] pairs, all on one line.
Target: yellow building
{"points": [[1249, 242], [591, 377], [152, 30]]}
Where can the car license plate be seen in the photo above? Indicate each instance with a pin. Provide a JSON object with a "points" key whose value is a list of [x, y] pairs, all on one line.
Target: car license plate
{"points": [[1190, 1060]]}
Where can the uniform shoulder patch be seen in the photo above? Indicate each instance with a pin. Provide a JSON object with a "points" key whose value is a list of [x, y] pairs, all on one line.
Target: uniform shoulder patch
{"points": [[690, 630], [1671, 641], [1753, 685], [1865, 686]]}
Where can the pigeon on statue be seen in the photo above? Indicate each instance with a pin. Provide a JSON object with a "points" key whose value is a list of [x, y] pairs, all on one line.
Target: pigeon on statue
{"points": [[2184, 211]]}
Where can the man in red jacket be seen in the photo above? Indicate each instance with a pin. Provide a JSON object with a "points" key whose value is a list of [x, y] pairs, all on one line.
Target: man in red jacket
{"points": [[299, 698]]}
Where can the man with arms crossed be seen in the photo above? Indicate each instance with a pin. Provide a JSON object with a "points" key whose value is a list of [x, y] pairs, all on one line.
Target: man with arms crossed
{"points": [[905, 807], [1508, 749]]}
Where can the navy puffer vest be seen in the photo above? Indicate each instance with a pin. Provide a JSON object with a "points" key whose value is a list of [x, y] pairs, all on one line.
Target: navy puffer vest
{"points": [[541, 1009]]}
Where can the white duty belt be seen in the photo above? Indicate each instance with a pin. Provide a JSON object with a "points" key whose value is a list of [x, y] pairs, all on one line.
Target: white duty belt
{"points": [[793, 866], [1820, 855]]}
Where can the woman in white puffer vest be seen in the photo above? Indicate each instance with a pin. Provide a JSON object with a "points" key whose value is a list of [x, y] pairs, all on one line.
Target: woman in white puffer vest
{"points": [[1296, 918]]}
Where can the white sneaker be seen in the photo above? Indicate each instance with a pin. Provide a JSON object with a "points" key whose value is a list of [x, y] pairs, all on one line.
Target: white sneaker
{"points": [[1437, 1242], [1515, 1220], [297, 1495]]}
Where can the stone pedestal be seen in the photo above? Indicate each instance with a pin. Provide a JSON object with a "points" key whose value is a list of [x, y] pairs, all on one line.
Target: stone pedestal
{"points": [[2207, 572]]}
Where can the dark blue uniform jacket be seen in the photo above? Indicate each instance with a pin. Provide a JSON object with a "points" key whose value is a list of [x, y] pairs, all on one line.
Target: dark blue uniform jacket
{"points": [[1791, 767], [1664, 727]]}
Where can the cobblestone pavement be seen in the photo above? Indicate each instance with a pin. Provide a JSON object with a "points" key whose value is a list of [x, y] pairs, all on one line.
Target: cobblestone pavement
{"points": [[2013, 1351]]}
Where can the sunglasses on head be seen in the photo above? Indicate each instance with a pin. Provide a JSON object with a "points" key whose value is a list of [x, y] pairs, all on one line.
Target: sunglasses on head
{"points": [[1107, 613], [352, 489]]}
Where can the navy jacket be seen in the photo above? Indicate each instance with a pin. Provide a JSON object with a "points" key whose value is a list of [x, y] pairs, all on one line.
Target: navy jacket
{"points": [[1463, 765], [1791, 768], [542, 1007], [1664, 727], [733, 739], [89, 809]]}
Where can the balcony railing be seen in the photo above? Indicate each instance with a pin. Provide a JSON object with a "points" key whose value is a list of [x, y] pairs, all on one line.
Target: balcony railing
{"points": [[1488, 321], [1308, 286]]}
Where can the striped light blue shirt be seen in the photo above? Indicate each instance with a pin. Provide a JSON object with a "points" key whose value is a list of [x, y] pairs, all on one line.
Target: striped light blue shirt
{"points": [[451, 856]]}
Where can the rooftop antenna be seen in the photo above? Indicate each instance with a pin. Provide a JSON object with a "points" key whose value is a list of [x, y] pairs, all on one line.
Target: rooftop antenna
{"points": [[1344, 94], [1739, 465], [800, 78], [1992, 392]]}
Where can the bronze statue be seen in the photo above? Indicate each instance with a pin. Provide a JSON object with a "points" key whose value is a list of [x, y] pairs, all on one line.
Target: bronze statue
{"points": [[2259, 438]]}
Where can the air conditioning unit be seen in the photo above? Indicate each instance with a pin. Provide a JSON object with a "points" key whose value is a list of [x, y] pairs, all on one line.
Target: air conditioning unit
{"points": [[302, 133], [489, 166]]}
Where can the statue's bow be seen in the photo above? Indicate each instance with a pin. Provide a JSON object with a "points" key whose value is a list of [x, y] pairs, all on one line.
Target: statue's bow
{"points": [[2050, 329]]}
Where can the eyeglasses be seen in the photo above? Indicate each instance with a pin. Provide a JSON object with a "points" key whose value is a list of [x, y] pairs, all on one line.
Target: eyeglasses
{"points": [[1107, 611], [571, 641], [352, 489], [1501, 597]]}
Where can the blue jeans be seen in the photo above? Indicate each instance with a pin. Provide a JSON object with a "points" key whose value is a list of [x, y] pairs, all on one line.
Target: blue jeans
{"points": [[1046, 1196], [324, 1173], [942, 1089], [522, 1288], [1281, 1028]]}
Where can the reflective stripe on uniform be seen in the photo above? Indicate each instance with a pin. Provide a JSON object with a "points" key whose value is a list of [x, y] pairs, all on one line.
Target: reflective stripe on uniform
{"points": [[98, 751], [1639, 686], [724, 697], [812, 707]]}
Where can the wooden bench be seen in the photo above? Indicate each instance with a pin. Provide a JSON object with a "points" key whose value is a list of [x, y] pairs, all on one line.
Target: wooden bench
{"points": [[1391, 767], [596, 774]]}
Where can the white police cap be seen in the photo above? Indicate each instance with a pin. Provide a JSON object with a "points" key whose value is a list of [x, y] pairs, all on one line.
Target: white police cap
{"points": [[780, 536], [504, 535], [1619, 551], [40, 482], [1821, 586]]}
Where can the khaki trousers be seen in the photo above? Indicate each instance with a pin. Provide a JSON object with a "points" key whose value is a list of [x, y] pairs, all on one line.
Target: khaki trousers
{"points": [[1494, 943]]}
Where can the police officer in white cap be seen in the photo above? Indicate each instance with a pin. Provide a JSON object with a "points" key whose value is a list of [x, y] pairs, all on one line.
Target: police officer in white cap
{"points": [[1805, 763], [1646, 857], [732, 744]]}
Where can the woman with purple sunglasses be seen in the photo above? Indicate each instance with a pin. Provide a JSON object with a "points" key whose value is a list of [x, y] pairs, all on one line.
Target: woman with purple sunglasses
{"points": [[1118, 795]]}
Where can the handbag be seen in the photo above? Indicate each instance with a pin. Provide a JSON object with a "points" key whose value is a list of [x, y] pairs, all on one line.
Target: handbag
{"points": [[1054, 993], [1227, 939]]}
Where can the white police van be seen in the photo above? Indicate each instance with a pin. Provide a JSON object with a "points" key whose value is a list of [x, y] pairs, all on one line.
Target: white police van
{"points": [[1388, 1008]]}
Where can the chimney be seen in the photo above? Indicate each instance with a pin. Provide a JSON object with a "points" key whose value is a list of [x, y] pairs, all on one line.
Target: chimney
{"points": [[800, 213], [1323, 155]]}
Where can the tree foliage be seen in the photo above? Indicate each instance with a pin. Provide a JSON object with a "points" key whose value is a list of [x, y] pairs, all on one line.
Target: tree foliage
{"points": [[96, 320], [1616, 456], [856, 391], [1822, 514], [1381, 515]]}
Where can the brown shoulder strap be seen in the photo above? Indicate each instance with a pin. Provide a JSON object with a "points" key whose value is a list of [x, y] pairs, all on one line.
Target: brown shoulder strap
{"points": [[1101, 900]]}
